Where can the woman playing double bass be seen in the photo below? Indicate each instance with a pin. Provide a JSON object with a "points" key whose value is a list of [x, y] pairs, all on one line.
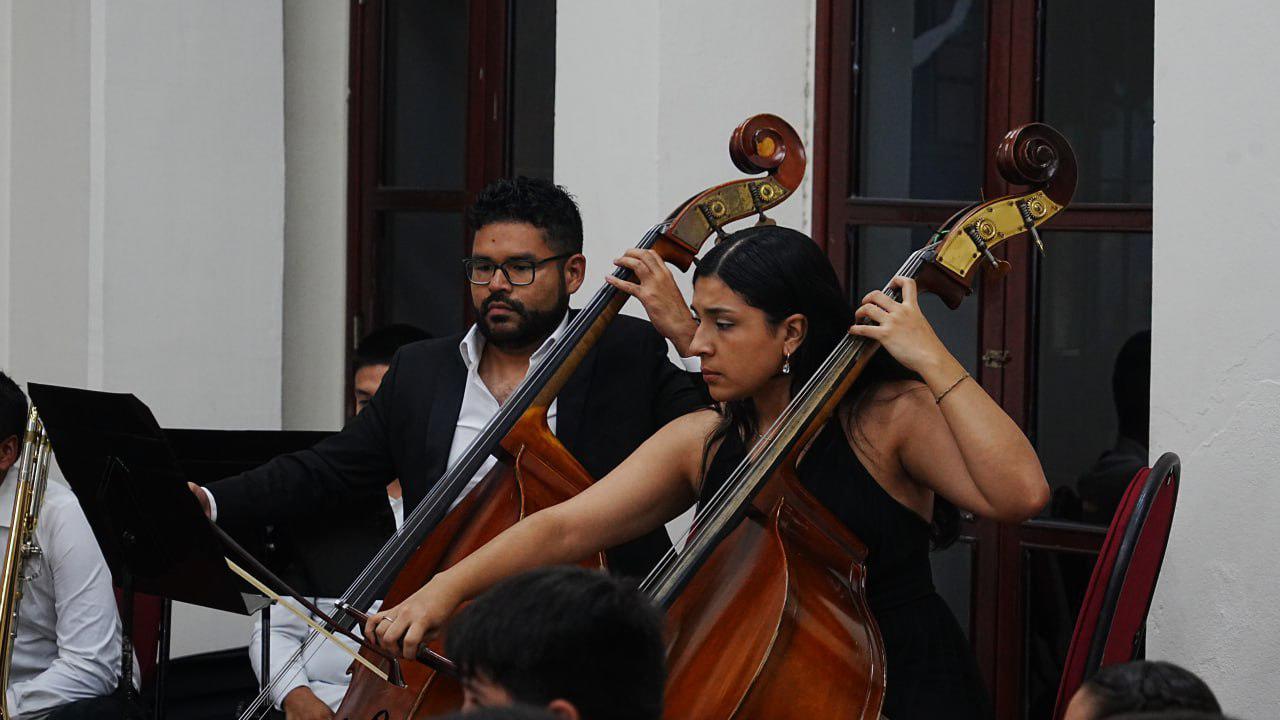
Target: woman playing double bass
{"points": [[913, 439]]}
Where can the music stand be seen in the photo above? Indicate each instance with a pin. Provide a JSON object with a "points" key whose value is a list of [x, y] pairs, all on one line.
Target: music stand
{"points": [[151, 530]]}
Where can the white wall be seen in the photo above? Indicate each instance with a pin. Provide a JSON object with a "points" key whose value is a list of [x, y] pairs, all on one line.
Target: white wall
{"points": [[49, 194], [6, 63], [315, 233], [646, 96], [146, 195], [1215, 380], [194, 178]]}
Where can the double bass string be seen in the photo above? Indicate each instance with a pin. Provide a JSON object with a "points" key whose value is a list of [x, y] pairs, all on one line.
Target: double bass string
{"points": [[713, 516], [718, 510], [446, 491]]}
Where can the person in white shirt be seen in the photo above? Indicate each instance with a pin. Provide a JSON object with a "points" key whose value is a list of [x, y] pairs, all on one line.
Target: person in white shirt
{"points": [[315, 689], [66, 657]]}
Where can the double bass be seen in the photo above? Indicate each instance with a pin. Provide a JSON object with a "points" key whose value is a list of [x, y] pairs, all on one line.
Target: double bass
{"points": [[535, 470], [767, 615]]}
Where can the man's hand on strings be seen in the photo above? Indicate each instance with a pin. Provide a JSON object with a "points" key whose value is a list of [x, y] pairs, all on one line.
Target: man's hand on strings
{"points": [[203, 497], [403, 628], [302, 704], [655, 287]]}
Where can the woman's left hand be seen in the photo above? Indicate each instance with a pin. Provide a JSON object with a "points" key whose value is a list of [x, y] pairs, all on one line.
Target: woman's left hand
{"points": [[902, 329]]}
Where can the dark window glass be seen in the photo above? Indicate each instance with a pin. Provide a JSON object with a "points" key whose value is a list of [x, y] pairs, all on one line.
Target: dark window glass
{"points": [[1093, 369], [1097, 87], [425, 94], [533, 88], [420, 278], [920, 128], [1055, 583], [878, 252]]}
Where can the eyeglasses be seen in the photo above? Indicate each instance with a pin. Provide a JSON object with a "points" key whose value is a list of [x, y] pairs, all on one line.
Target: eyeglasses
{"points": [[518, 272]]}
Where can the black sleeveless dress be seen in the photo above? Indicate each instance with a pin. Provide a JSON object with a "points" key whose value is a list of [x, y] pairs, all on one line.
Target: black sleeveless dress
{"points": [[930, 669]]}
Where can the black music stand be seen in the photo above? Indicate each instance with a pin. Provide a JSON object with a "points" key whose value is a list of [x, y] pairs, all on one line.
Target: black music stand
{"points": [[150, 528]]}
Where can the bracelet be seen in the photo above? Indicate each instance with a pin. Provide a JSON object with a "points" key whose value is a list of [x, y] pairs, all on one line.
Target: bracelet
{"points": [[959, 380]]}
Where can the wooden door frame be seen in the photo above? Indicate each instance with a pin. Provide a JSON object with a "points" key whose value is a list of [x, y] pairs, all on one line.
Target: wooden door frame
{"points": [[487, 155], [1006, 314]]}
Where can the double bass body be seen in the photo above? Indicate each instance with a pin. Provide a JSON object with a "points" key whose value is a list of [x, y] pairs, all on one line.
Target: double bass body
{"points": [[780, 599], [538, 473]]}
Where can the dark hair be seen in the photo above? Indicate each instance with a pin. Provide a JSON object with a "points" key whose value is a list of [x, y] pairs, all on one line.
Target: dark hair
{"points": [[379, 346], [510, 712], [540, 203], [1131, 386], [13, 409], [1168, 715], [780, 272], [1144, 686], [570, 633]]}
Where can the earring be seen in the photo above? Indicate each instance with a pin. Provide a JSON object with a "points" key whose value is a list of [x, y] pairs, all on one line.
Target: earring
{"points": [[786, 364]]}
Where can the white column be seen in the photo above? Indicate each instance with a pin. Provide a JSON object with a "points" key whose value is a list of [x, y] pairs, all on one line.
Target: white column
{"points": [[647, 94], [6, 112], [606, 122], [315, 230], [194, 221], [1215, 376], [49, 192]]}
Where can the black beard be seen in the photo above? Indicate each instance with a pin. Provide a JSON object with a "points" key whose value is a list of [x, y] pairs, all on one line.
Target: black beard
{"points": [[531, 329]]}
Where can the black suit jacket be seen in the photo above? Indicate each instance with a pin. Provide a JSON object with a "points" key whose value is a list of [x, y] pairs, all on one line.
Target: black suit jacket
{"points": [[625, 389]]}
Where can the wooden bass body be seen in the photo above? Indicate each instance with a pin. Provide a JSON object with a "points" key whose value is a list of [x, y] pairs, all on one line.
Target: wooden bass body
{"points": [[776, 624]]}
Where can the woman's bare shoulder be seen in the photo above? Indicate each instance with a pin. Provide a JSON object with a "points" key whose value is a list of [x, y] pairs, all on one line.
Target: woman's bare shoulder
{"points": [[691, 429], [876, 425], [895, 400]]}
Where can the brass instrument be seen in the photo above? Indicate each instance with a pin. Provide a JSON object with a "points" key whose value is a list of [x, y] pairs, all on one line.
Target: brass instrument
{"points": [[33, 474]]}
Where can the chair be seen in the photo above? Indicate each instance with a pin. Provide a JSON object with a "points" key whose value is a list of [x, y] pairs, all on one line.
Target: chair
{"points": [[1111, 626]]}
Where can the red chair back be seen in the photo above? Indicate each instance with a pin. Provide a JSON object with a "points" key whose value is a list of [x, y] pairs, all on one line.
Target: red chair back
{"points": [[1112, 621]]}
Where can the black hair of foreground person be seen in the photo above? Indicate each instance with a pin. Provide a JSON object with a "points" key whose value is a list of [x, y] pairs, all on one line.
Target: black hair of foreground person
{"points": [[1170, 715], [1146, 686], [565, 633], [510, 712]]}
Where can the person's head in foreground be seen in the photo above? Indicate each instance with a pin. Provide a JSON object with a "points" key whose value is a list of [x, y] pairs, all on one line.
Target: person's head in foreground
{"points": [[1170, 715], [1141, 687], [580, 643], [508, 712]]}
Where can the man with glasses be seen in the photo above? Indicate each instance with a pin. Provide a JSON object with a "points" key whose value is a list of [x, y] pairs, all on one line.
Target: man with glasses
{"points": [[438, 395]]}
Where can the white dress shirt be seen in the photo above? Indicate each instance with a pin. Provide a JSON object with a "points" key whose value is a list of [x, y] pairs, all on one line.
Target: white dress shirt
{"points": [[478, 403], [68, 642]]}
